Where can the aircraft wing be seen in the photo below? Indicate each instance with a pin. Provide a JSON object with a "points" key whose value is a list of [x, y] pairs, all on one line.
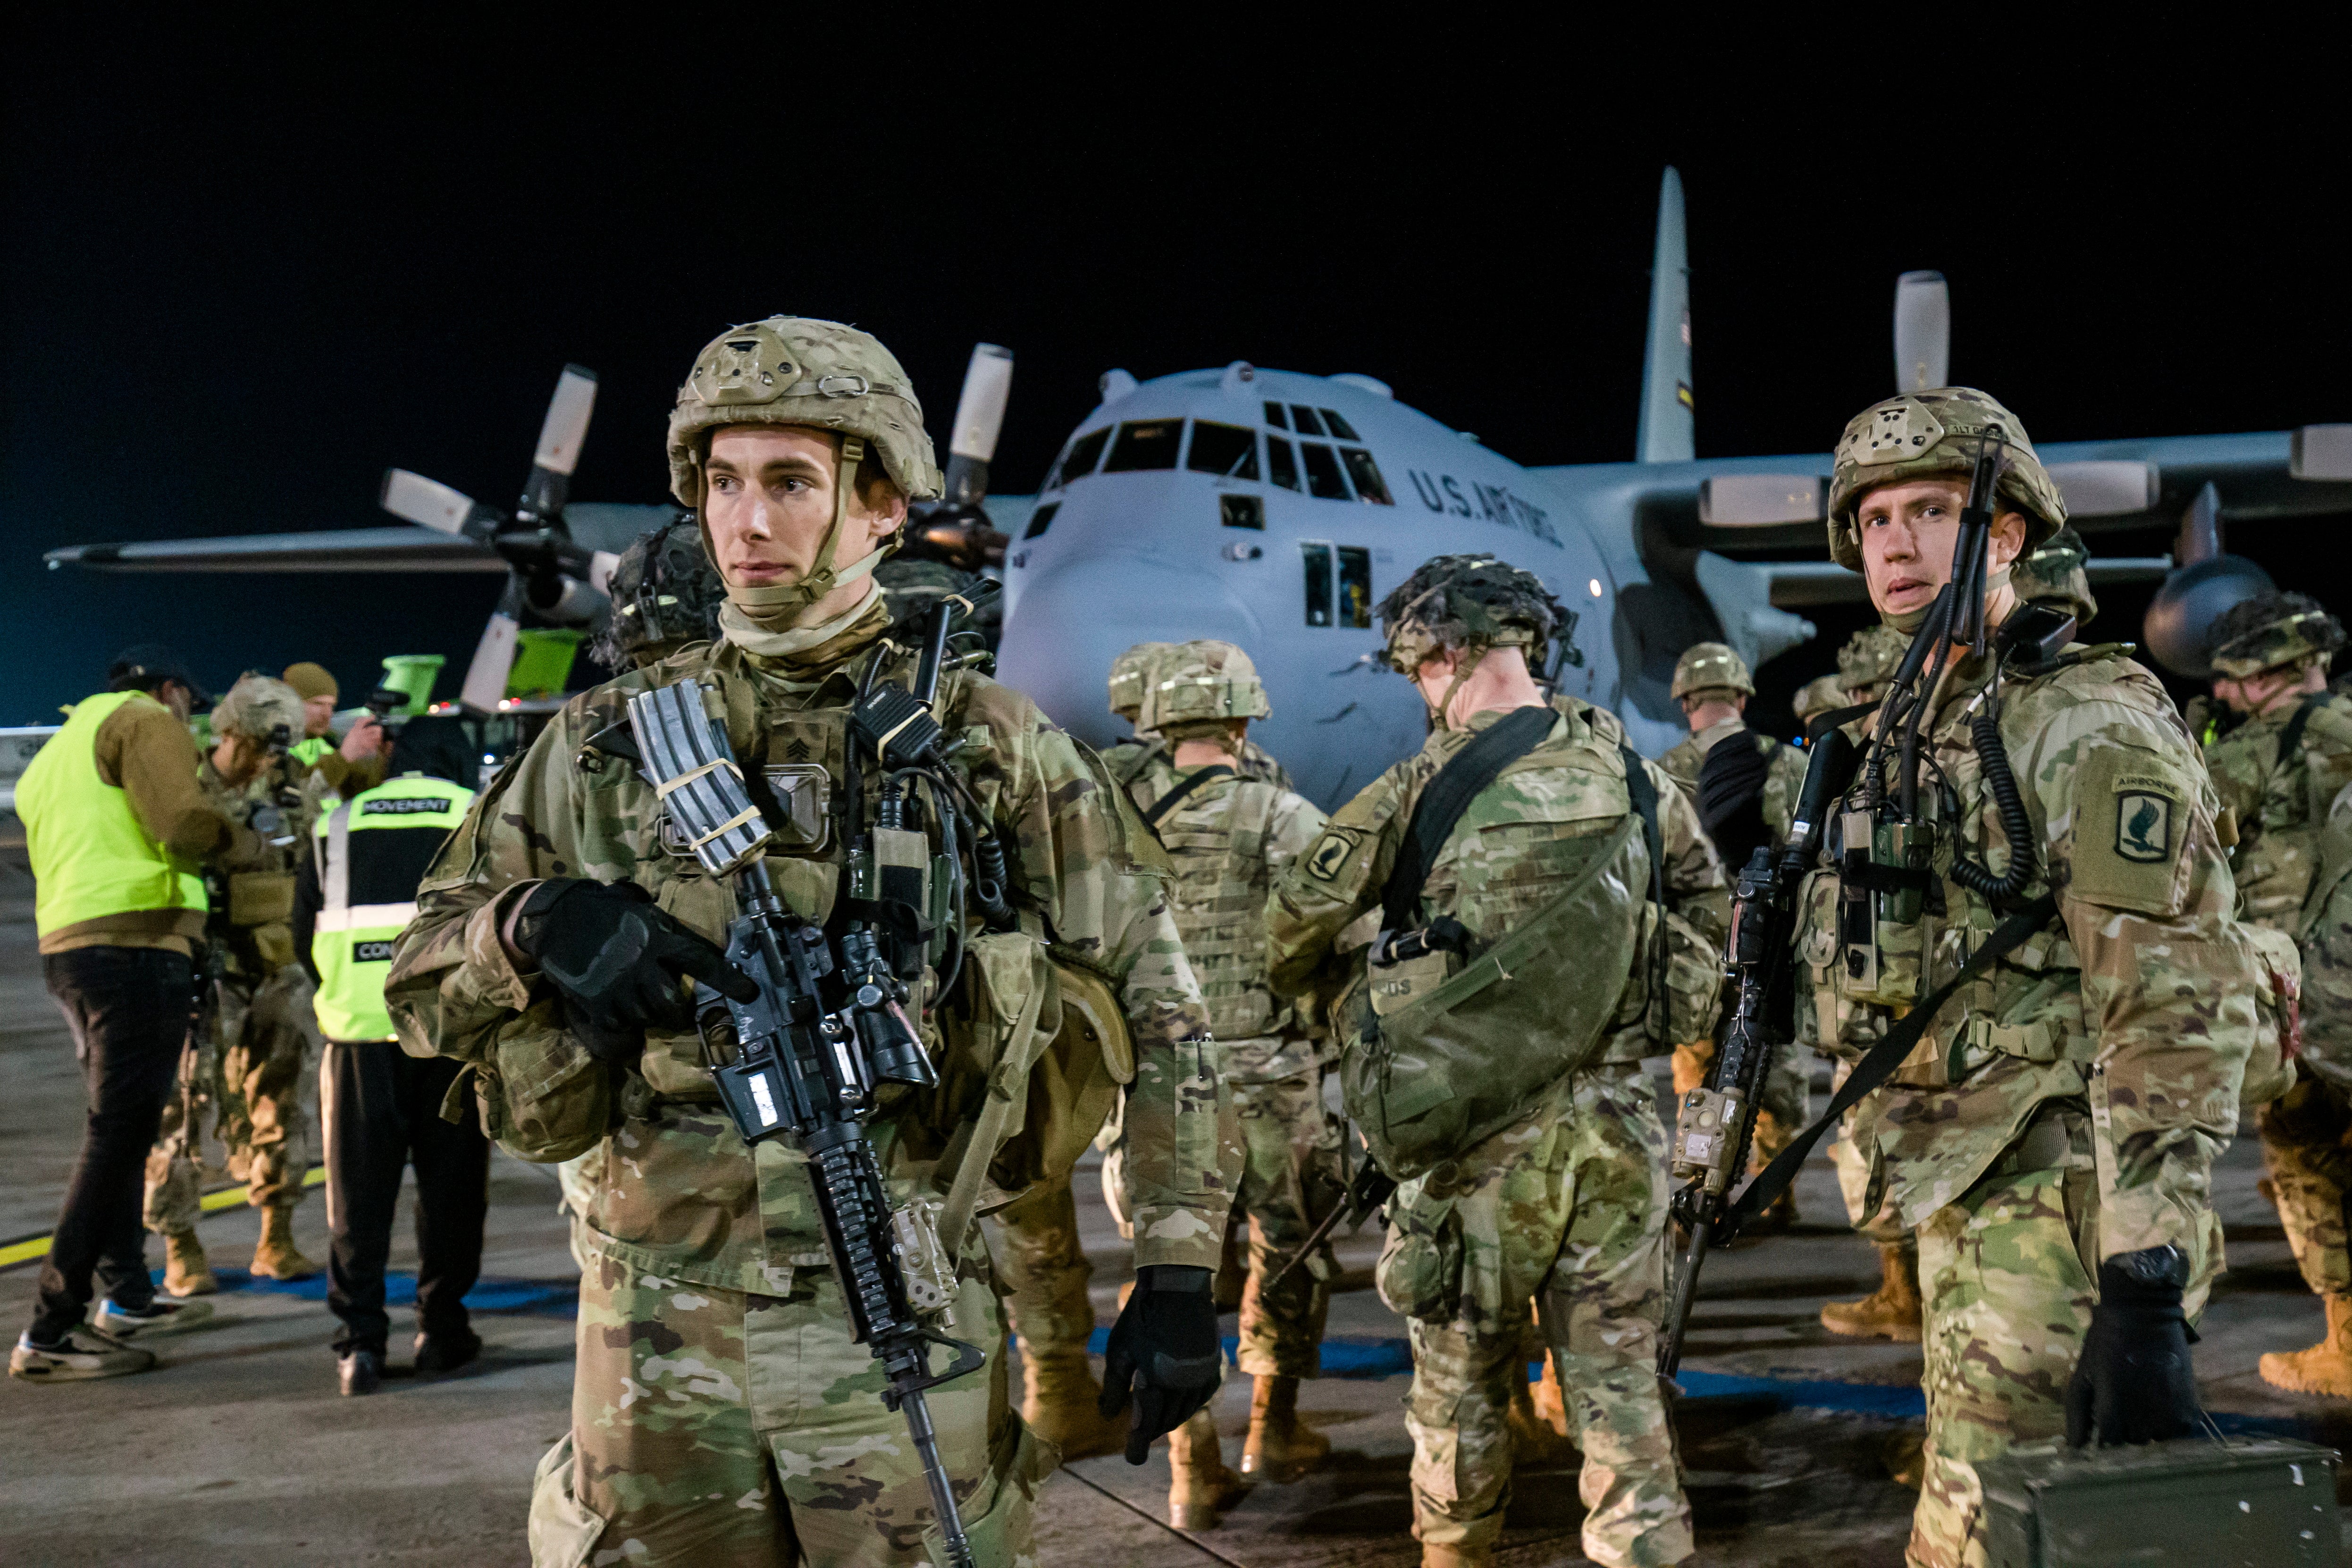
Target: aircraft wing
{"points": [[402, 548]]}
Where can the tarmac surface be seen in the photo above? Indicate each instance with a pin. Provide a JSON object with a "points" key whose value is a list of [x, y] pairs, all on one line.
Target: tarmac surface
{"points": [[238, 1451]]}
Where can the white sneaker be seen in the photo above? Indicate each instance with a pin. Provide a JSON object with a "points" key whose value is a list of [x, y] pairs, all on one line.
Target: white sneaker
{"points": [[83, 1354], [161, 1316]]}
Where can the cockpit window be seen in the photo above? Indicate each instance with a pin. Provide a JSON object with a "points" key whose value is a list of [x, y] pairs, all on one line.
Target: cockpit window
{"points": [[1230, 450], [1305, 418], [1281, 463], [1369, 485], [1274, 416], [1323, 480], [1145, 444], [1041, 520], [1080, 459], [1339, 427]]}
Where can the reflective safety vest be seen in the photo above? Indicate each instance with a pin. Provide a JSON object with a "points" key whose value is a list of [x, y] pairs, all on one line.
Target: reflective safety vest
{"points": [[374, 851], [308, 752], [92, 855]]}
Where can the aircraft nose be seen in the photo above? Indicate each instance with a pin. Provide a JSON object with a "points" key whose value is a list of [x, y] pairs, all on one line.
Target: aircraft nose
{"points": [[1074, 618]]}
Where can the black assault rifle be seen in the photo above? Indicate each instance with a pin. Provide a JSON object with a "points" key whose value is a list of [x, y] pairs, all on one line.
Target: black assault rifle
{"points": [[823, 1027], [1372, 1188]]}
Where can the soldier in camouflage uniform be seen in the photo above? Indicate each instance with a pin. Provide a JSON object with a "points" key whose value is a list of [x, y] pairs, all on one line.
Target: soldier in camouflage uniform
{"points": [[1143, 759], [2052, 1139], [721, 1413], [259, 1065], [1713, 685], [1567, 1205], [2277, 774]]}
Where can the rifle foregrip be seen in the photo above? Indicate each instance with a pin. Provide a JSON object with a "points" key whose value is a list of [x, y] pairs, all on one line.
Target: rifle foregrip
{"points": [[856, 1214]]}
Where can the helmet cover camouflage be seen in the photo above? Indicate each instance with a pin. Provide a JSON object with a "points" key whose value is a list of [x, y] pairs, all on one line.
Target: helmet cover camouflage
{"points": [[2272, 629], [1870, 659], [1200, 683], [2058, 572], [1933, 434], [1128, 674], [257, 707], [1466, 600], [665, 594], [793, 370], [1711, 666]]}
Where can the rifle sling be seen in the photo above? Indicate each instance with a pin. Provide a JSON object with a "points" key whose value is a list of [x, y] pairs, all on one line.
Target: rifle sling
{"points": [[1880, 1062], [2290, 737], [1645, 797], [1174, 798], [1449, 794]]}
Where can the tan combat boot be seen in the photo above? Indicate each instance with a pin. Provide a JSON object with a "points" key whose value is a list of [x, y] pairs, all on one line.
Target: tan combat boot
{"points": [[186, 1270], [1691, 1061], [1772, 1137], [1434, 1556], [1281, 1448], [1199, 1485], [275, 1255], [1058, 1403], [2326, 1367], [1891, 1311], [1906, 1458]]}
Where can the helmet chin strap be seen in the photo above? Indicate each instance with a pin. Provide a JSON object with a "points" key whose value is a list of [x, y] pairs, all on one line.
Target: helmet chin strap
{"points": [[1465, 664], [776, 607], [1909, 620]]}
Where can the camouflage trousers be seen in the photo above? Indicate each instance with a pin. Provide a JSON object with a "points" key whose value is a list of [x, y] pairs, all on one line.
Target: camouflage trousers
{"points": [[2307, 1152], [1045, 1271], [1567, 1206], [576, 1180], [1290, 1167], [723, 1431], [259, 1078], [2006, 1273]]}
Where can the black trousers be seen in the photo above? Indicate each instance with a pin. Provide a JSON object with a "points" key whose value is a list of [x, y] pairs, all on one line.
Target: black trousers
{"points": [[128, 1008], [382, 1108]]}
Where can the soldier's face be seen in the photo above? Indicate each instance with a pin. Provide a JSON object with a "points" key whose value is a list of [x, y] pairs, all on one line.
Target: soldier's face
{"points": [[319, 715], [1907, 534], [768, 502]]}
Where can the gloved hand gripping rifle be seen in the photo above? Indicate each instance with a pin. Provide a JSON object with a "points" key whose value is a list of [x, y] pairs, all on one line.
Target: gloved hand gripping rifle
{"points": [[818, 1026]]}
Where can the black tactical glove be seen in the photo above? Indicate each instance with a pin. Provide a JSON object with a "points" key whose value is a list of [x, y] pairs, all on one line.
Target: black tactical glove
{"points": [[1731, 798], [1165, 1343], [2134, 1382], [617, 961]]}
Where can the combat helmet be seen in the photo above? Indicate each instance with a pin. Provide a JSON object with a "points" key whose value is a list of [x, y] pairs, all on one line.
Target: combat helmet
{"points": [[261, 707], [1711, 666], [1466, 600], [1128, 674], [665, 594], [2057, 571], [1200, 687], [1929, 434], [1870, 658], [793, 370], [2272, 629], [1823, 694]]}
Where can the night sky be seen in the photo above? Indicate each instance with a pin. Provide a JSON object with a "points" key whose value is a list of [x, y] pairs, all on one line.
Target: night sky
{"points": [[246, 272]]}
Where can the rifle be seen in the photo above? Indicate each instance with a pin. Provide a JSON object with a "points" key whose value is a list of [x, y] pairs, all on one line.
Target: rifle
{"points": [[822, 1025], [1717, 1124], [1370, 1188]]}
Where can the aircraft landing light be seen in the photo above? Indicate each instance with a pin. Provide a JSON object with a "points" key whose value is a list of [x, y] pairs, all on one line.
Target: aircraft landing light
{"points": [[1595, 586]]}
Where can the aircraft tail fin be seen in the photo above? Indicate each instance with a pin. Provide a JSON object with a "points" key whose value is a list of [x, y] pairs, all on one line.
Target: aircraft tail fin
{"points": [[1669, 426]]}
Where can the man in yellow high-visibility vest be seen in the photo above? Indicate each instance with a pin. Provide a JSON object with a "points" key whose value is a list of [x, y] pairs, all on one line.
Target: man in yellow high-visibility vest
{"points": [[350, 765], [117, 828], [382, 1108]]}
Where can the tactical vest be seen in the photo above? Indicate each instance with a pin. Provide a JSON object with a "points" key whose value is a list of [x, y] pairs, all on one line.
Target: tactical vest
{"points": [[92, 855], [373, 850], [1217, 838]]}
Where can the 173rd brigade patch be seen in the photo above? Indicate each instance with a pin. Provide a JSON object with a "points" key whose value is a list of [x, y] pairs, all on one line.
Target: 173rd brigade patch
{"points": [[1332, 851], [2131, 824]]}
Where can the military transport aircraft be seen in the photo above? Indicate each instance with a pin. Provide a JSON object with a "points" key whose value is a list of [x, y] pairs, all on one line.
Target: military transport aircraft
{"points": [[1275, 509]]}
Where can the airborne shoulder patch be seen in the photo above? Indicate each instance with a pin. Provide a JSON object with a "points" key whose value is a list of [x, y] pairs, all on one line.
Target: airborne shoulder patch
{"points": [[2144, 812], [1330, 854], [2131, 817]]}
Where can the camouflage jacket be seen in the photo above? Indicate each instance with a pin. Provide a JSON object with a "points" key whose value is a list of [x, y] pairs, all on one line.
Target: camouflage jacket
{"points": [[1150, 760], [2135, 1002], [1497, 868], [2281, 804], [681, 1195], [253, 910], [1782, 780], [1229, 840]]}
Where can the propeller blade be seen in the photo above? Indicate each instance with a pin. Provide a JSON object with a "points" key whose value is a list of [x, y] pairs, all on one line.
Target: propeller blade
{"points": [[1923, 332], [2200, 527], [494, 657], [415, 499], [560, 439], [979, 419]]}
